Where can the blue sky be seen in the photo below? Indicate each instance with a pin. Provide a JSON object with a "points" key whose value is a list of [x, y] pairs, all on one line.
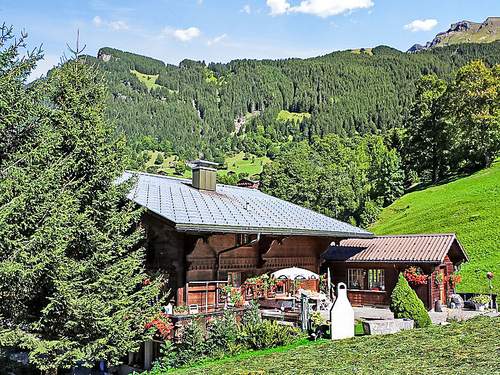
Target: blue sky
{"points": [[221, 30]]}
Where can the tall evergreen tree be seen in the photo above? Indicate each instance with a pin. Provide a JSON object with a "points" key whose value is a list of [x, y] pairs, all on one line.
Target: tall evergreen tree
{"points": [[71, 265]]}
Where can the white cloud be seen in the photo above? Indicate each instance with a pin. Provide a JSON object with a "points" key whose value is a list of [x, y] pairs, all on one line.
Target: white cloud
{"points": [[246, 9], [320, 8], [97, 21], [118, 25], [43, 66], [278, 6], [421, 25], [184, 35], [216, 40]]}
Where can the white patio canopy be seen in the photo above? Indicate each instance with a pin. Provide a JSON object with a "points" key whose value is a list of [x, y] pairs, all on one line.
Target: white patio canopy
{"points": [[293, 273]]}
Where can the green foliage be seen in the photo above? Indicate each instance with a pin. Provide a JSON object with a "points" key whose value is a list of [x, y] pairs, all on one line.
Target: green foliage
{"points": [[429, 135], [71, 269], [419, 351], [268, 334], [406, 304], [224, 336], [194, 106], [180, 167], [349, 179], [481, 299], [455, 127], [193, 345], [467, 207], [159, 159], [252, 315]]}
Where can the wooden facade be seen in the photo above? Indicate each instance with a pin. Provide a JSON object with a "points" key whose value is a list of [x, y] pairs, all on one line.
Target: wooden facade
{"points": [[198, 265], [366, 296]]}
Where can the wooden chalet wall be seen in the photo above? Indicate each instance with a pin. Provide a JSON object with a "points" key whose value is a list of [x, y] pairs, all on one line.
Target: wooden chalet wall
{"points": [[191, 258], [429, 293]]}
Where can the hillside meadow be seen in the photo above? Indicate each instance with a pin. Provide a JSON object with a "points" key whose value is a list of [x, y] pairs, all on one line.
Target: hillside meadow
{"points": [[469, 207], [237, 163], [461, 348]]}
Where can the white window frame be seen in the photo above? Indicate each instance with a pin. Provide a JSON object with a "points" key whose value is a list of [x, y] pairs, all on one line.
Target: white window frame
{"points": [[376, 278], [356, 274]]}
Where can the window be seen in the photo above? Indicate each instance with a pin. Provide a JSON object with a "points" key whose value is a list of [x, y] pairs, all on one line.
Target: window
{"points": [[376, 279], [356, 278], [244, 239], [234, 279]]}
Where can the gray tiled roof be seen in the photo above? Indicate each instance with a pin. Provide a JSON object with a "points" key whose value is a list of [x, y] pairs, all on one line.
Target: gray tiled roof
{"points": [[231, 209]]}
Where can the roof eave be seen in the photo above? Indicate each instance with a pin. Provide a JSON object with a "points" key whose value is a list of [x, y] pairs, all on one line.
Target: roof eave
{"points": [[197, 228]]}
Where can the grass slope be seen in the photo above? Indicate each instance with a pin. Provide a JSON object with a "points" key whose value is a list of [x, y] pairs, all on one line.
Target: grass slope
{"points": [[147, 79], [284, 116], [469, 207], [461, 348], [235, 163]]}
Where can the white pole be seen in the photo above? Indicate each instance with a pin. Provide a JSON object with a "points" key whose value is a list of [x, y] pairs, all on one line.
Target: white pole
{"points": [[329, 283]]}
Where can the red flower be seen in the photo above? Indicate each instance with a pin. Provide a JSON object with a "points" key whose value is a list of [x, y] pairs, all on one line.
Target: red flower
{"points": [[162, 324]]}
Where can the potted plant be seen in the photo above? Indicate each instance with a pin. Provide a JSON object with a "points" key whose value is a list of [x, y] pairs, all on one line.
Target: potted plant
{"points": [[415, 276], [480, 301], [181, 310], [438, 278], [160, 325], [454, 279]]}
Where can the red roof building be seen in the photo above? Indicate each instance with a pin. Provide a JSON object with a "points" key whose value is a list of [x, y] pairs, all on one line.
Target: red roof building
{"points": [[370, 267]]}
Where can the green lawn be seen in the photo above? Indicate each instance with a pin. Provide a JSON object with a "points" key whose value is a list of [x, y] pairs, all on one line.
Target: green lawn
{"points": [[469, 207], [236, 163], [253, 165], [470, 347], [147, 79], [284, 116]]}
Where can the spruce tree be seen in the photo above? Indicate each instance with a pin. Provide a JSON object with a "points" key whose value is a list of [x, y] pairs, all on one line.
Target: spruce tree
{"points": [[406, 304], [72, 281]]}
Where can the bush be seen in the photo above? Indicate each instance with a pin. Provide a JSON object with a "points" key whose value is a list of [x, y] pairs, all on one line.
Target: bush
{"points": [[222, 334], [192, 347], [268, 334], [481, 299], [251, 315], [406, 304], [159, 159]]}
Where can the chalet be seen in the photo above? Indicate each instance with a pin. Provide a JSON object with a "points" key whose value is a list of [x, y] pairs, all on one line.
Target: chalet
{"points": [[205, 235], [246, 182], [370, 267]]}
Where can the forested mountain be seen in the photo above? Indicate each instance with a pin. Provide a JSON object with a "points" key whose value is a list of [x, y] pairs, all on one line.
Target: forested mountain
{"points": [[196, 109]]}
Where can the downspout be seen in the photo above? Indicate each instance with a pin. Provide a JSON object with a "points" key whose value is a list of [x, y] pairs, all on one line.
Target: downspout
{"points": [[217, 261]]}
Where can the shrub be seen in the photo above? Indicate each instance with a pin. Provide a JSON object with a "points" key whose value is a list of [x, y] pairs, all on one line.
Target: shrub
{"points": [[251, 315], [222, 334], [406, 304], [191, 348], [159, 159], [481, 299], [268, 334]]}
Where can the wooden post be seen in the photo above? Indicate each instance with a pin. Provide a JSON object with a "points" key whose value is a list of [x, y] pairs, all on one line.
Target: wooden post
{"points": [[148, 354]]}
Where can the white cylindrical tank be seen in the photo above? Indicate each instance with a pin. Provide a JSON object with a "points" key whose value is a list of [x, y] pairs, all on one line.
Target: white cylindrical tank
{"points": [[342, 315]]}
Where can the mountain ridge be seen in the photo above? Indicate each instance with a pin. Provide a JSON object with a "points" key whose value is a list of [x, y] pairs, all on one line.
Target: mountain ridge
{"points": [[464, 32]]}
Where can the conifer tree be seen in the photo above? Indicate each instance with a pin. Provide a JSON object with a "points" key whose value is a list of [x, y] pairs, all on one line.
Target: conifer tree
{"points": [[406, 304], [72, 281]]}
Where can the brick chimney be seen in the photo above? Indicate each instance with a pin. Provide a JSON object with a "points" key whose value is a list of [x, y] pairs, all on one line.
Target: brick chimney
{"points": [[204, 175]]}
